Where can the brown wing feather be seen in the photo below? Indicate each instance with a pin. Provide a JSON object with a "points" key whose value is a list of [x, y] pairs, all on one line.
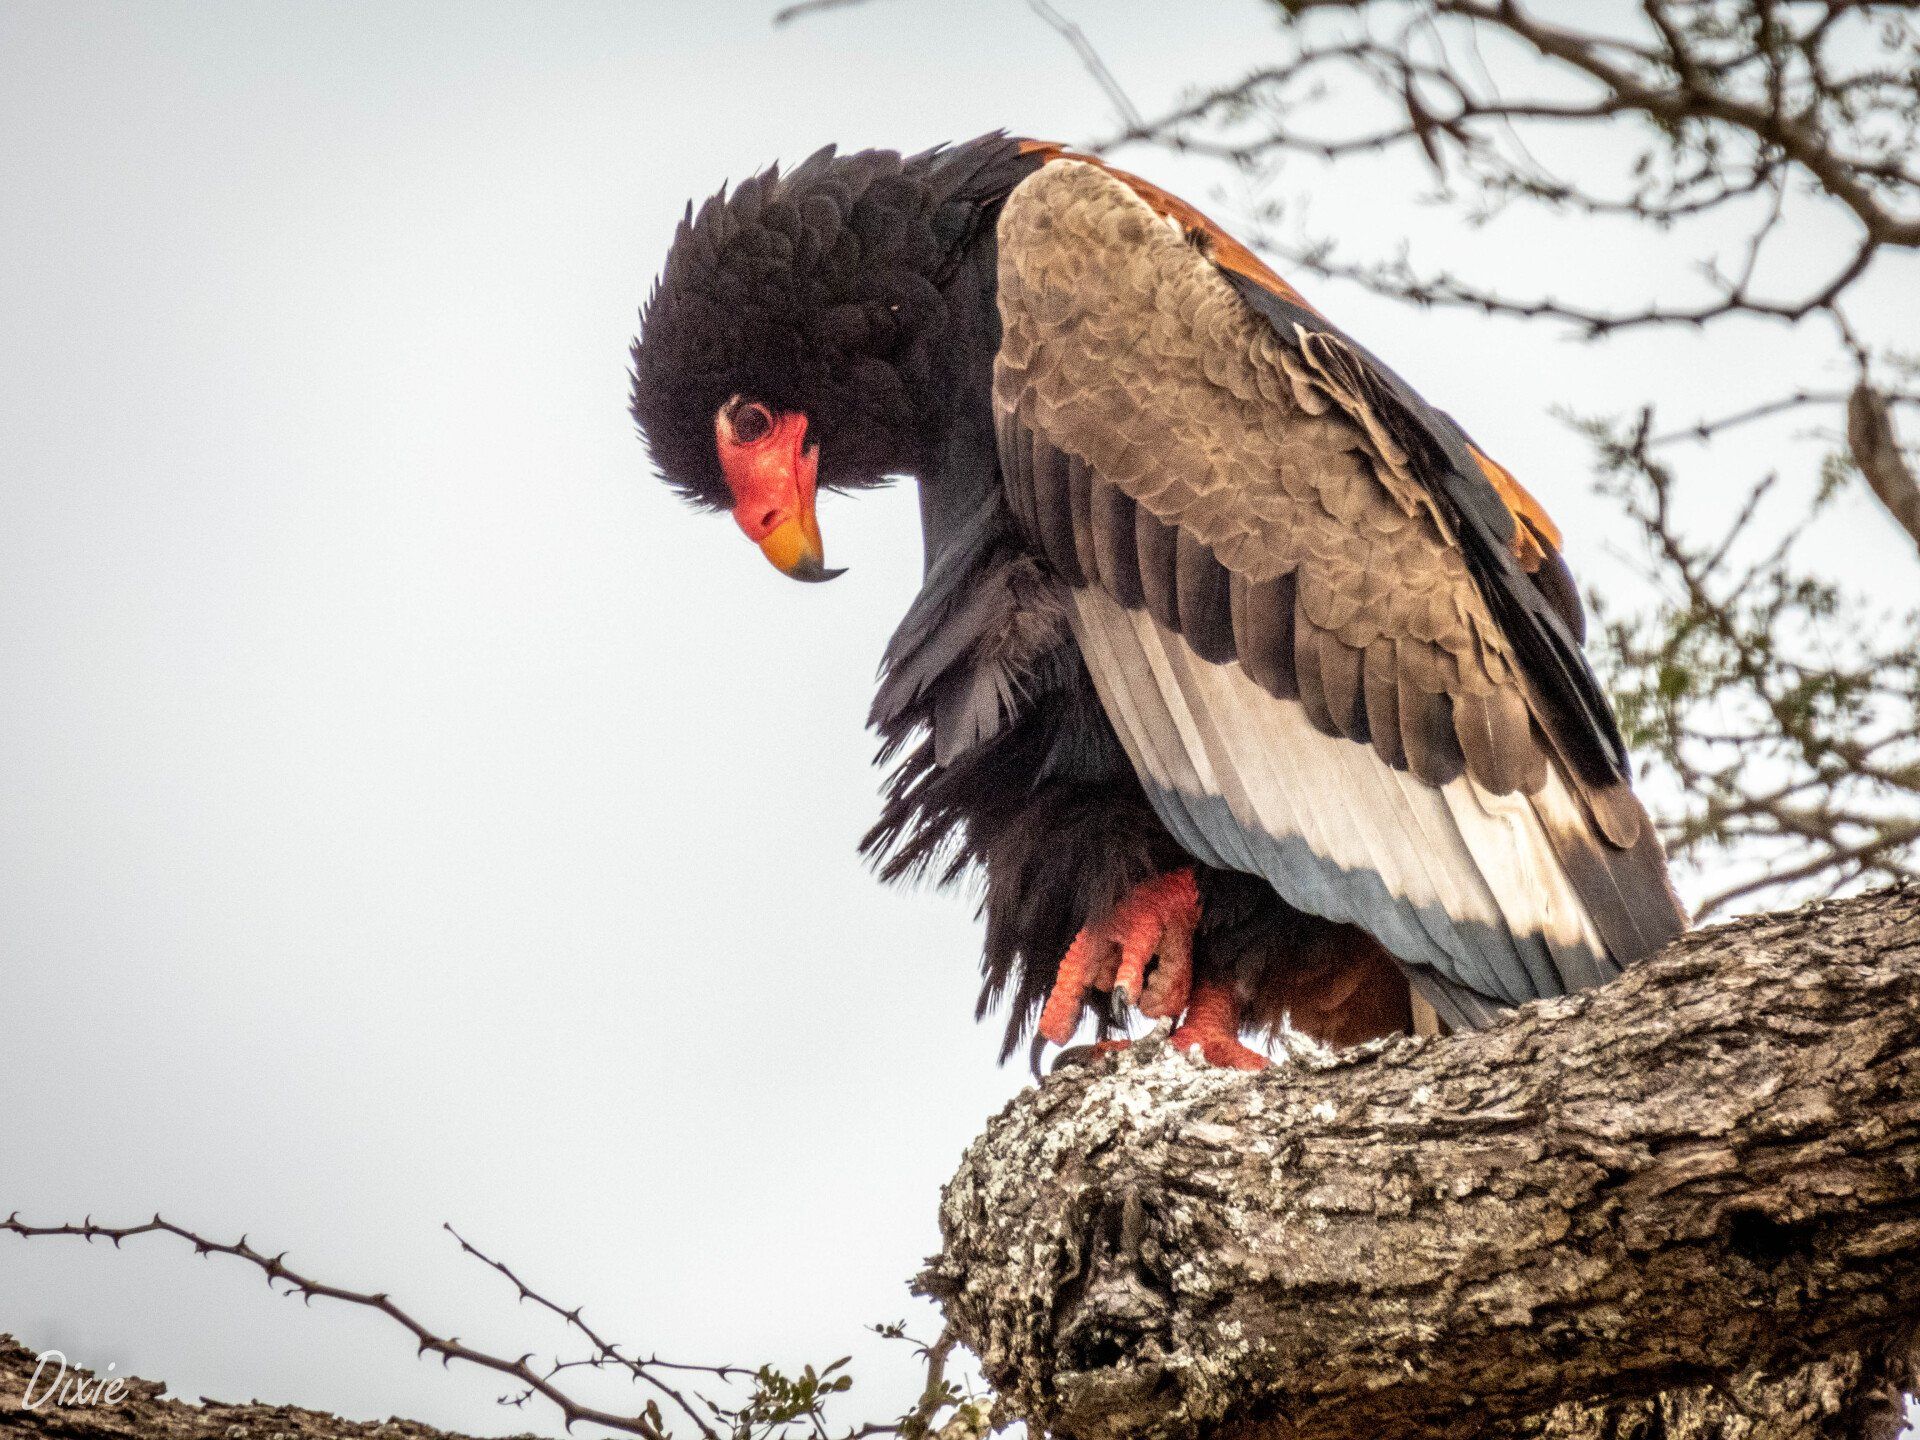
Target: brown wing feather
{"points": [[1114, 545], [1263, 631], [1200, 592], [1154, 545]]}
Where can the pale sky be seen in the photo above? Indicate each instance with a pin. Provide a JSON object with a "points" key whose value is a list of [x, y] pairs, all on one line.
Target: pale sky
{"points": [[408, 811]]}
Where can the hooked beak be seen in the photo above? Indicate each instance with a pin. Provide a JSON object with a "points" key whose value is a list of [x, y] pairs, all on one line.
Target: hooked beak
{"points": [[773, 483], [794, 548]]}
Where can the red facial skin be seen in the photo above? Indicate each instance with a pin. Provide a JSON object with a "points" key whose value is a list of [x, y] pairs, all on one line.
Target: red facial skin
{"points": [[772, 478]]}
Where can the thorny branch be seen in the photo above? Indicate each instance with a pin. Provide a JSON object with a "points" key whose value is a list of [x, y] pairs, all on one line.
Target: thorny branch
{"points": [[775, 1407]]}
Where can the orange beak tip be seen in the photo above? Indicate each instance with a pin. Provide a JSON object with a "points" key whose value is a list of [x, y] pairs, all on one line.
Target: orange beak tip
{"points": [[793, 548]]}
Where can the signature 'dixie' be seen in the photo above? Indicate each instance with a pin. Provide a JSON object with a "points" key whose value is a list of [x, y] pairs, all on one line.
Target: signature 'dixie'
{"points": [[54, 1386]]}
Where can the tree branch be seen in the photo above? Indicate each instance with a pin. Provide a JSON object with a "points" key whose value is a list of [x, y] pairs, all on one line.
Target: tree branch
{"points": [[1707, 1170], [1876, 450], [1090, 61]]}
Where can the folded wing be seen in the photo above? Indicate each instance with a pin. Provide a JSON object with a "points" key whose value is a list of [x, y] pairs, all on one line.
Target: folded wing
{"points": [[1305, 602]]}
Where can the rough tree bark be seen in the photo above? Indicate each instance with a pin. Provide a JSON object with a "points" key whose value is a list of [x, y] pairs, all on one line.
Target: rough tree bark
{"points": [[1686, 1204]]}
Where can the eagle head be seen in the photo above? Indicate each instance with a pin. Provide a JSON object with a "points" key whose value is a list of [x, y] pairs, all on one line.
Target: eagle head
{"points": [[788, 345]]}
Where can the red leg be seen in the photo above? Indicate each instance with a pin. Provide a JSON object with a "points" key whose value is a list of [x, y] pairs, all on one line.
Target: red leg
{"points": [[1156, 918], [1213, 1027]]}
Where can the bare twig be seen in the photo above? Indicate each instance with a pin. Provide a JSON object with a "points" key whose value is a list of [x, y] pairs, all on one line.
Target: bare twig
{"points": [[1783, 718], [811, 7], [1090, 59]]}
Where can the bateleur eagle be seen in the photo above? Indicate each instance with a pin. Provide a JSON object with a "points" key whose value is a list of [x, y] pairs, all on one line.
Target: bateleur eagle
{"points": [[1250, 687]]}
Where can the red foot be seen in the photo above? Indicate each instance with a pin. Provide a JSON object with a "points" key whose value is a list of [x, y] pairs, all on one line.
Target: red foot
{"points": [[1212, 1026], [1155, 919]]}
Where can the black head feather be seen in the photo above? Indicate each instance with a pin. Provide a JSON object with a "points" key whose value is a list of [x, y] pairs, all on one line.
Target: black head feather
{"points": [[817, 290]]}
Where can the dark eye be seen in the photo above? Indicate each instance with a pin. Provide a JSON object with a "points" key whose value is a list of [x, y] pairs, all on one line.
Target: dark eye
{"points": [[750, 421]]}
